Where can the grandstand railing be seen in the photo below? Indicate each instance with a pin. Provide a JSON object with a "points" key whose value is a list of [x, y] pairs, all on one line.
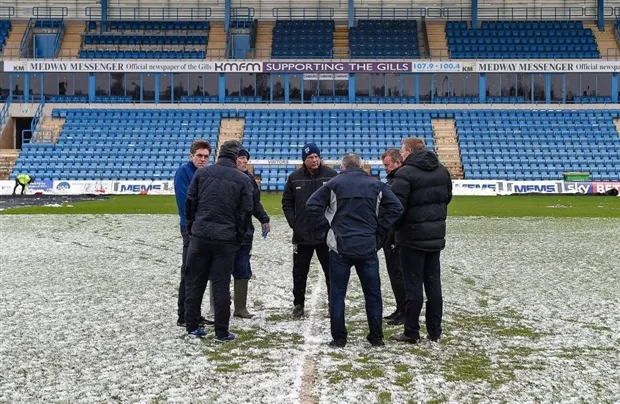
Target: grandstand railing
{"points": [[388, 13], [150, 13], [37, 116], [609, 54], [4, 113], [492, 13], [7, 12], [50, 12], [242, 13], [58, 39], [303, 13], [449, 13], [26, 39]]}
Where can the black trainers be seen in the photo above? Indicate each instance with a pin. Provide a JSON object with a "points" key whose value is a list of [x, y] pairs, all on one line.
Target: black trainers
{"points": [[397, 320], [203, 322], [298, 311], [405, 338], [337, 344], [377, 344], [433, 339], [391, 316]]}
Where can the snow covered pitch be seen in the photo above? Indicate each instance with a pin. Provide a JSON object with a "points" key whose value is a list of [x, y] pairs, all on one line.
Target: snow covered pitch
{"points": [[88, 311]]}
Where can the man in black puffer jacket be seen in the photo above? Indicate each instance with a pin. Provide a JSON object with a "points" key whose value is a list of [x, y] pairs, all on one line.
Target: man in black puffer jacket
{"points": [[309, 233], [424, 188], [218, 213]]}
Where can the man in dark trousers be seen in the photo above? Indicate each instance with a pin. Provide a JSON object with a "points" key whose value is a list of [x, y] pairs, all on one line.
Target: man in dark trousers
{"points": [[199, 153], [243, 269], [22, 180], [392, 161], [424, 187], [218, 212], [308, 232], [360, 211]]}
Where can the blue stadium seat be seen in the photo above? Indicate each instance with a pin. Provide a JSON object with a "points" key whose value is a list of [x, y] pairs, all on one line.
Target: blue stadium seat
{"points": [[521, 40]]}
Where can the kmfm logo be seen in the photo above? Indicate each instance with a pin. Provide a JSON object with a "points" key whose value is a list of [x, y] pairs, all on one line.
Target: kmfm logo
{"points": [[227, 67]]}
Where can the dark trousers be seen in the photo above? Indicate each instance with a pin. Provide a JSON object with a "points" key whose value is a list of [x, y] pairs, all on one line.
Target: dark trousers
{"points": [[392, 261], [302, 255], [181, 301], [208, 260], [19, 184], [368, 272], [243, 269], [421, 268]]}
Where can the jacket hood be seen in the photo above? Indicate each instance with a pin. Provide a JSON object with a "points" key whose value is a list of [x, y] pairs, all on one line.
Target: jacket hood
{"points": [[423, 159]]}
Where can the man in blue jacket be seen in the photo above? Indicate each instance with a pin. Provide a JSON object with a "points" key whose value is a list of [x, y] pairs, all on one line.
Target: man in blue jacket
{"points": [[243, 270], [218, 212], [360, 211], [199, 154]]}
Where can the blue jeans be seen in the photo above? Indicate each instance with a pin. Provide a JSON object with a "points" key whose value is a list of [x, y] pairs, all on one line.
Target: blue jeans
{"points": [[243, 269], [368, 272]]}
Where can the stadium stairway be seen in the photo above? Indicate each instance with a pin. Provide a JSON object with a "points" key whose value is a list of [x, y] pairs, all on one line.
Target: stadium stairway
{"points": [[447, 146], [8, 157], [605, 40], [216, 46], [48, 129], [72, 39], [423, 38], [14, 40], [437, 40], [230, 129], [264, 38], [341, 42]]}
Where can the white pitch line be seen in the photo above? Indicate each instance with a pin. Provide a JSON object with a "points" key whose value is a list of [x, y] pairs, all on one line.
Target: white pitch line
{"points": [[311, 345]]}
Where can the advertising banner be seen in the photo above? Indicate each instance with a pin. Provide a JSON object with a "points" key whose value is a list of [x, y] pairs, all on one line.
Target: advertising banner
{"points": [[475, 187], [6, 187], [82, 187], [297, 162], [44, 186], [577, 188], [602, 187], [547, 66], [312, 66], [337, 67], [435, 66], [531, 187], [137, 187], [118, 66]]}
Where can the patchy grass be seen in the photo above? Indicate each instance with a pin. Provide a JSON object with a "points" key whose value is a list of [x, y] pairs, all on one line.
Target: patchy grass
{"points": [[484, 206], [467, 367], [504, 324], [469, 281], [385, 397]]}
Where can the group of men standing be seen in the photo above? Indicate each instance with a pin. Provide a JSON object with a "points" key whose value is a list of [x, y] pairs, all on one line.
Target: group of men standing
{"points": [[344, 217]]}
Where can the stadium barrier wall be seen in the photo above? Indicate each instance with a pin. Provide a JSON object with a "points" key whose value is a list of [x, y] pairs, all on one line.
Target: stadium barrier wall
{"points": [[460, 187]]}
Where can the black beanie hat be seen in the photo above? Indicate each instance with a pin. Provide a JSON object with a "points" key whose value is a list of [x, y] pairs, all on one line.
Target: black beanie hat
{"points": [[230, 149]]}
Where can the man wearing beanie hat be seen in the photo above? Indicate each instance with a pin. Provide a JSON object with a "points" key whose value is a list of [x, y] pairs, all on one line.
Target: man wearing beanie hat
{"points": [[243, 270], [309, 234], [217, 213]]}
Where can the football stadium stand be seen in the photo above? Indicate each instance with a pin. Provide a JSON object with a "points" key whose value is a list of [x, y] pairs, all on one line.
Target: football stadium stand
{"points": [[495, 144], [479, 73]]}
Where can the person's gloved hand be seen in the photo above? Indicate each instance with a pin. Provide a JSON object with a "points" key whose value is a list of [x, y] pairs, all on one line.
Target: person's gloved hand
{"points": [[266, 230]]}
